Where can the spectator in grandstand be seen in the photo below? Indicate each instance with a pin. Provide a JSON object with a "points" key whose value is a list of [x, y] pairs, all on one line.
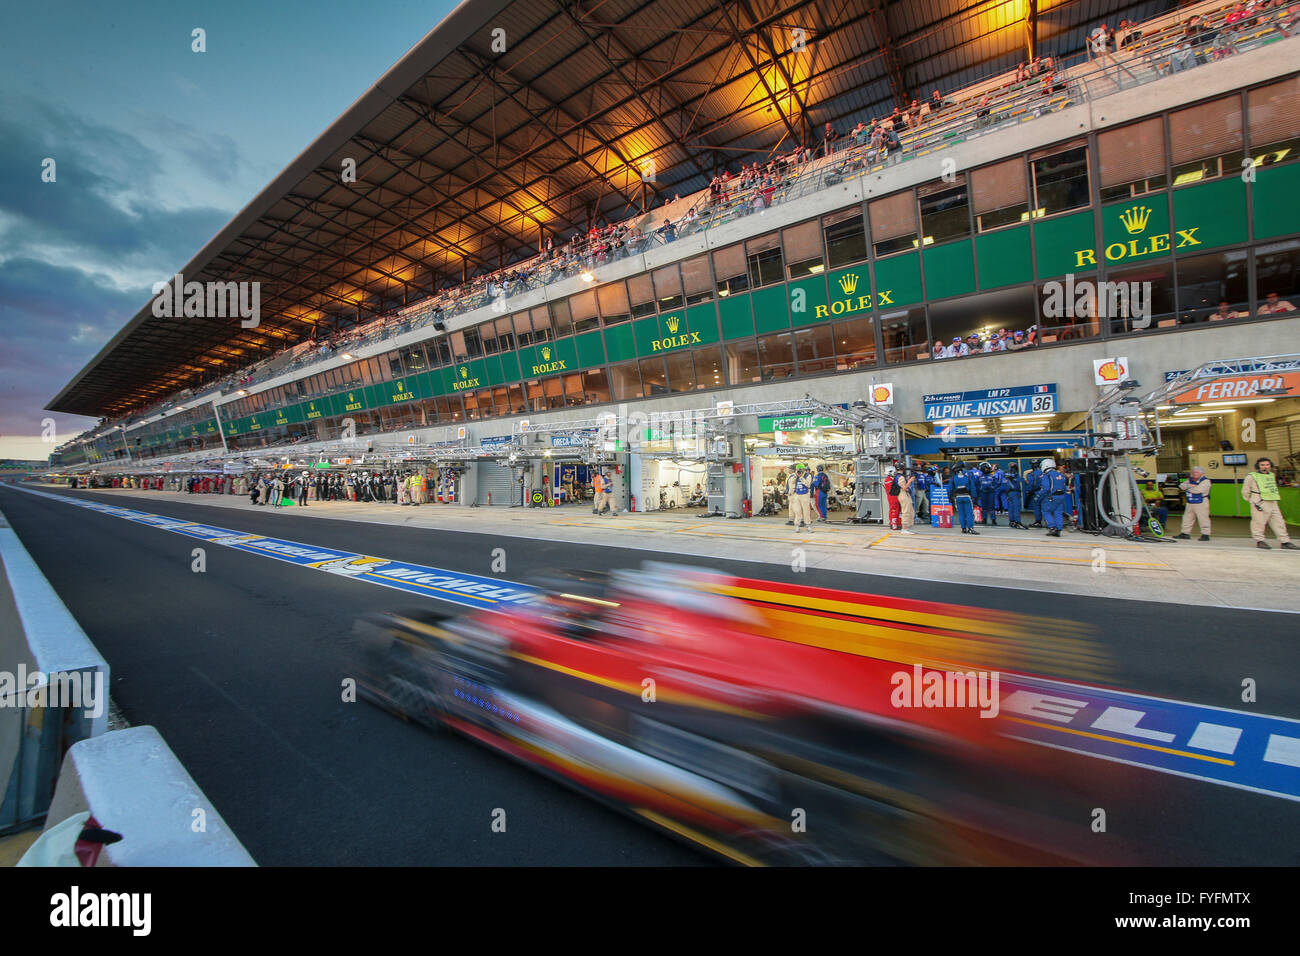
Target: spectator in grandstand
{"points": [[829, 136], [938, 351], [1225, 311], [1274, 305], [937, 102], [1022, 72], [954, 349], [1018, 341], [889, 142], [1100, 41], [982, 114], [914, 115]]}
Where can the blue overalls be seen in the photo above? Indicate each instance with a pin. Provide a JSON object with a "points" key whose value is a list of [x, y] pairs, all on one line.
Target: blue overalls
{"points": [[921, 494], [1052, 488], [1012, 495], [988, 495], [1033, 500], [960, 490]]}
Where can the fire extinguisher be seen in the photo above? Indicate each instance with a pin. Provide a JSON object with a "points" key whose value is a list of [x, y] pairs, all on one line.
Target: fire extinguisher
{"points": [[747, 510], [633, 508]]}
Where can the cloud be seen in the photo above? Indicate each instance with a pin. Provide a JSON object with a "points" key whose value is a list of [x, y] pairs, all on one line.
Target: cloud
{"points": [[78, 256]]}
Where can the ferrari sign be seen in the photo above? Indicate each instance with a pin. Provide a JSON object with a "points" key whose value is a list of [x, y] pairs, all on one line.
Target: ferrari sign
{"points": [[1234, 387]]}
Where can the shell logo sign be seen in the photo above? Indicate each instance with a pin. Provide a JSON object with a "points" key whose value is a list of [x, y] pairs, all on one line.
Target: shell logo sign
{"points": [[882, 394], [1110, 371]]}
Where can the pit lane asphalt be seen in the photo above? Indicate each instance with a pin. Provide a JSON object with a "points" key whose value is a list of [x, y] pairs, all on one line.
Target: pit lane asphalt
{"points": [[240, 669]]}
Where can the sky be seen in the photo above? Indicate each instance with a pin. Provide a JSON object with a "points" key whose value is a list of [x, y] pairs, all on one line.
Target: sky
{"points": [[155, 147]]}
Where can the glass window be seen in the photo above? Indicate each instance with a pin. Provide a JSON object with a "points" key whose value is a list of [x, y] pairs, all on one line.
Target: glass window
{"points": [[763, 254], [945, 210], [803, 249], [1000, 194], [515, 396], [1138, 299], [742, 362], [654, 380], [1205, 140], [595, 384], [394, 363], [708, 368], [893, 223], [1131, 159], [473, 344], [815, 350], [505, 335], [846, 237], [985, 316], [776, 355], [1213, 287], [443, 348], [1277, 278], [562, 322], [583, 308], [697, 280], [681, 370], [553, 389], [625, 381], [613, 303], [488, 331], [641, 295], [903, 331], [855, 343], [523, 330], [536, 396], [1274, 113], [1066, 310], [543, 330], [668, 287], [573, 389], [730, 271], [1060, 179]]}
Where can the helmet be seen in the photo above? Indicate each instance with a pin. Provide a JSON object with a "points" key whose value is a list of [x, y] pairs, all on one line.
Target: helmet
{"points": [[889, 470], [1048, 463], [986, 467]]}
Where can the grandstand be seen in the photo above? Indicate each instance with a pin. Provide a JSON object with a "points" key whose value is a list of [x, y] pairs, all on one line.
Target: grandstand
{"points": [[620, 166]]}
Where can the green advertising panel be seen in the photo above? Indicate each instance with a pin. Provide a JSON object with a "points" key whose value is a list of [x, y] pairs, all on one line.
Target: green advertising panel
{"points": [[808, 301], [1006, 257], [898, 280], [849, 293], [1135, 229], [510, 367], [1276, 200], [679, 329], [771, 309], [591, 350], [793, 423], [549, 358], [620, 345], [316, 408], [737, 316], [1210, 215], [1064, 244], [949, 269]]}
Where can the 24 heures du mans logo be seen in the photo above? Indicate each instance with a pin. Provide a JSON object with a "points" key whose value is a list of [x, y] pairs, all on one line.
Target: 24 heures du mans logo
{"points": [[852, 302], [676, 338], [464, 382], [1135, 220], [546, 366]]}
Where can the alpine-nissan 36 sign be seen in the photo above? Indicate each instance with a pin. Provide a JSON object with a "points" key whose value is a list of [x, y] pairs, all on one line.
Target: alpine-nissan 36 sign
{"points": [[989, 402]]}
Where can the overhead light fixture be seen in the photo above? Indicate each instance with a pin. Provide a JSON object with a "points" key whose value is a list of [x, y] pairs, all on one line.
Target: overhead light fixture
{"points": [[1240, 401], [587, 276], [347, 355]]}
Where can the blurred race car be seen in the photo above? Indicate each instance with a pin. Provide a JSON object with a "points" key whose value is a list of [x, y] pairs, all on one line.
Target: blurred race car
{"points": [[766, 738]]}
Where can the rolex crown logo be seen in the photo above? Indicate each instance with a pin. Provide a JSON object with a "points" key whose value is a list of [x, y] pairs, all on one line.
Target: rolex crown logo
{"points": [[546, 353], [351, 397], [464, 371], [849, 283], [672, 322], [1135, 219]]}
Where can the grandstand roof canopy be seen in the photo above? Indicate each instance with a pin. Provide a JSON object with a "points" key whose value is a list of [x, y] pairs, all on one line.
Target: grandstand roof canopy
{"points": [[467, 155]]}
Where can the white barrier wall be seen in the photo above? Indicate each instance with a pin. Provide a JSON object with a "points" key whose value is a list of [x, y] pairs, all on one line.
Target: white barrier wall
{"points": [[132, 784]]}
